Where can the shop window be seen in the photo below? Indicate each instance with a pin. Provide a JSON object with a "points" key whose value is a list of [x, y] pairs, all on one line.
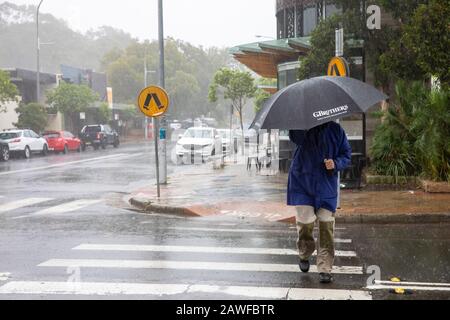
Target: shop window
{"points": [[309, 20]]}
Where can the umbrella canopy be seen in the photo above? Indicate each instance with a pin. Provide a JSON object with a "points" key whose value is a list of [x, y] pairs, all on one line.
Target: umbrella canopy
{"points": [[310, 103]]}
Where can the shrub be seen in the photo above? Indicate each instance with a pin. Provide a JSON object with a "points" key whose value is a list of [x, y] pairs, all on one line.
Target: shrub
{"points": [[414, 138]]}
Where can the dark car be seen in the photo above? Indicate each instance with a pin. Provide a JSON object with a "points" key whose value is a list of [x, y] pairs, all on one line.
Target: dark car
{"points": [[4, 151], [99, 135]]}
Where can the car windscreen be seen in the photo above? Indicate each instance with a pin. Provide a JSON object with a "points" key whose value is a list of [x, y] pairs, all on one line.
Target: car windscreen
{"points": [[224, 134], [198, 133], [9, 135], [93, 129], [51, 135]]}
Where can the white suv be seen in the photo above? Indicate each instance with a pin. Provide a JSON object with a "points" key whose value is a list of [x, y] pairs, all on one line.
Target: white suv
{"points": [[24, 142], [198, 141]]}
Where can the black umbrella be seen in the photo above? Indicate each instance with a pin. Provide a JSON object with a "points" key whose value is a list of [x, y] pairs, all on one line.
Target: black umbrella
{"points": [[309, 103]]}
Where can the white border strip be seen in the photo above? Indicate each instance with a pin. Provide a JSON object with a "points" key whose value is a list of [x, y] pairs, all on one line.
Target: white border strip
{"points": [[415, 286], [156, 289]]}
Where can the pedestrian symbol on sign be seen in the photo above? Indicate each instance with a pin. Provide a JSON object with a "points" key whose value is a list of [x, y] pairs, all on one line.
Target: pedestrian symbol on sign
{"points": [[153, 101], [338, 67], [149, 98]]}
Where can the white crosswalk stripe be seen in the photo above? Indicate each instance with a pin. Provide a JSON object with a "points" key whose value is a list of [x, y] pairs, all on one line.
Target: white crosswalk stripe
{"points": [[120, 258], [237, 230], [109, 289], [63, 208], [230, 250], [4, 276], [10, 206], [189, 265]]}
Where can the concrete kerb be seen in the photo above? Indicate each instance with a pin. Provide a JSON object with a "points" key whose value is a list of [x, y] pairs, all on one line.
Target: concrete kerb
{"points": [[150, 207]]}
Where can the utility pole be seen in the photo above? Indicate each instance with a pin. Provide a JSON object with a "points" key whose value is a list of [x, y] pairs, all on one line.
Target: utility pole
{"points": [[339, 53], [38, 84], [162, 178], [145, 86]]}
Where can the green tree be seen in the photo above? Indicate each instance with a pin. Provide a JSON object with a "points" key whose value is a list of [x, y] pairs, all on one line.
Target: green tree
{"points": [[237, 86], [431, 124], [261, 96], [402, 10], [392, 151], [71, 47], [315, 63], [189, 71], [182, 87], [8, 91], [103, 113], [427, 35], [32, 116], [323, 47], [414, 139], [71, 99]]}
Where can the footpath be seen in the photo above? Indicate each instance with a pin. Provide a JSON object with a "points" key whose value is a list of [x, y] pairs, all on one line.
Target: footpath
{"points": [[201, 190]]}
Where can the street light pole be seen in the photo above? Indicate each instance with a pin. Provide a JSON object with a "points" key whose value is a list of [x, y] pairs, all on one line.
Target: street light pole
{"points": [[38, 84], [162, 178]]}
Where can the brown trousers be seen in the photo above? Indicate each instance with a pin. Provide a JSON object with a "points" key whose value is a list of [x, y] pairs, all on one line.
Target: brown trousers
{"points": [[306, 218]]}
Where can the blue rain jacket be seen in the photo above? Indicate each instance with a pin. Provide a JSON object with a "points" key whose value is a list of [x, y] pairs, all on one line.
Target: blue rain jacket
{"points": [[309, 182]]}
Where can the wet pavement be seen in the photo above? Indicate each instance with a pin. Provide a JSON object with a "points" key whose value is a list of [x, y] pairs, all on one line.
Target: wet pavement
{"points": [[237, 190], [67, 231]]}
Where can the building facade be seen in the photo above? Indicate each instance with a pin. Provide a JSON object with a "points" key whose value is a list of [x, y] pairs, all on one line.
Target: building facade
{"points": [[298, 18], [280, 59]]}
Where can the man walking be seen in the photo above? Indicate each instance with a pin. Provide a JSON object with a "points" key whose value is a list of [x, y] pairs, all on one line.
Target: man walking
{"points": [[312, 188]]}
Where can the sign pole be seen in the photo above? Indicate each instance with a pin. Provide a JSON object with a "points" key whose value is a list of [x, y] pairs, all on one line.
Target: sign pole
{"points": [[162, 84], [153, 102], [156, 127], [339, 53]]}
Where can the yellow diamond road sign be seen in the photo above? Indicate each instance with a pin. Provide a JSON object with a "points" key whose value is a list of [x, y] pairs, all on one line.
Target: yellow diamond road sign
{"points": [[153, 101], [338, 67]]}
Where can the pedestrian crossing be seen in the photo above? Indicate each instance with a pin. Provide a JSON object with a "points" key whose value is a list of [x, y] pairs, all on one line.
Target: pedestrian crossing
{"points": [[14, 205], [48, 204], [189, 271]]}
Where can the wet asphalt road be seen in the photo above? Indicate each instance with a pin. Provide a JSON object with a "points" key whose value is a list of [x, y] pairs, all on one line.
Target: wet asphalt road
{"points": [[60, 212]]}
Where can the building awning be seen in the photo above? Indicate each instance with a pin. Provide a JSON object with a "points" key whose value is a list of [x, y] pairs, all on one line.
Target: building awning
{"points": [[264, 57]]}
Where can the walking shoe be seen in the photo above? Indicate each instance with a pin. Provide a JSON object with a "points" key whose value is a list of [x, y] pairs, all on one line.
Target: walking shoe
{"points": [[325, 278], [304, 265]]}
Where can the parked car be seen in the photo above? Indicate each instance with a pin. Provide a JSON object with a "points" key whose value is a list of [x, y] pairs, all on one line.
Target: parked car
{"points": [[175, 125], [4, 151], [62, 141], [186, 124], [24, 142], [98, 135], [228, 137], [197, 141]]}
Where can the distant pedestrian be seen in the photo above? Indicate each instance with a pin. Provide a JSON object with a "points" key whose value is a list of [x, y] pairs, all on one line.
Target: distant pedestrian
{"points": [[312, 188]]}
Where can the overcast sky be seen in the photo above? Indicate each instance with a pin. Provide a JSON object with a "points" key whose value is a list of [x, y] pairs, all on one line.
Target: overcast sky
{"points": [[201, 22]]}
